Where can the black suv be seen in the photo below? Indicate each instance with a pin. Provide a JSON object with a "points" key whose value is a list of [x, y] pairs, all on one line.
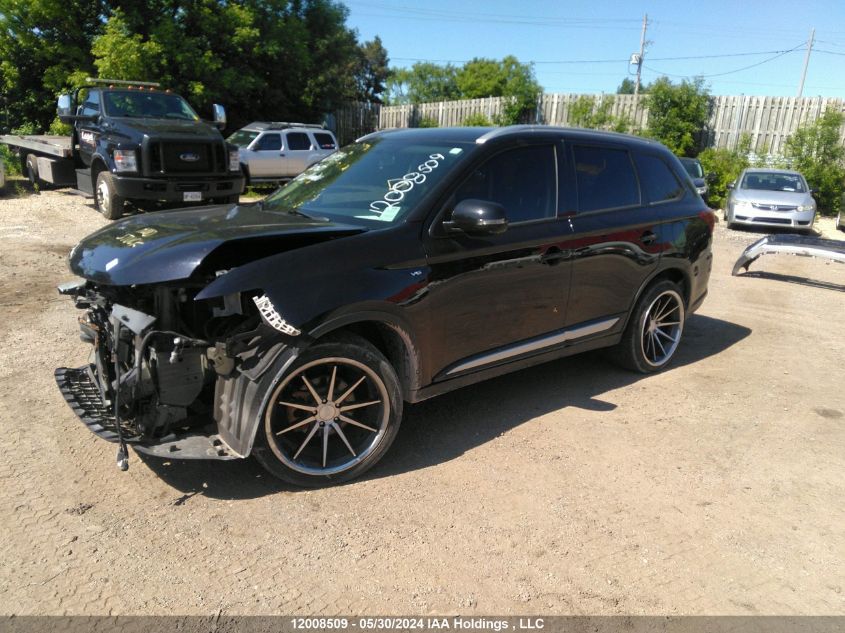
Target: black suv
{"points": [[405, 265]]}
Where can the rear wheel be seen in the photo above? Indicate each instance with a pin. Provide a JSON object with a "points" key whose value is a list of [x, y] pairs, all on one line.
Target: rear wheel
{"points": [[108, 202], [332, 416], [654, 330]]}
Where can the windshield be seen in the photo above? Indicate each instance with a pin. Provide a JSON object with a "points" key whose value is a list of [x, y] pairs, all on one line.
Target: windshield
{"points": [[155, 105], [242, 138], [376, 181], [773, 181], [693, 167]]}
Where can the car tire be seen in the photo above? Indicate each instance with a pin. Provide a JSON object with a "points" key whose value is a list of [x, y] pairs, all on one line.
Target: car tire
{"points": [[105, 197], [654, 329], [307, 436]]}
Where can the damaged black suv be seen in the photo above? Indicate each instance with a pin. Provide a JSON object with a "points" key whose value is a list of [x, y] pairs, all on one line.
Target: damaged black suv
{"points": [[405, 265]]}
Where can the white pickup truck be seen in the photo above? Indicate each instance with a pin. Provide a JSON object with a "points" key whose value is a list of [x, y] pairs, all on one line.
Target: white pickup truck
{"points": [[277, 151]]}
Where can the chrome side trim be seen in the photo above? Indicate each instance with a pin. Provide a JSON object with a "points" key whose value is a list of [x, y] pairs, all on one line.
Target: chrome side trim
{"points": [[534, 345]]}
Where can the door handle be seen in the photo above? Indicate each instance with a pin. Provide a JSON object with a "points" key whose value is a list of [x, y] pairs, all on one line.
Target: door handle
{"points": [[282, 154], [648, 238]]}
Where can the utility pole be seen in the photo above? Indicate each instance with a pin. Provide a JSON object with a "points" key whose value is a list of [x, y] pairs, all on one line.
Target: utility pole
{"points": [[806, 61], [639, 58]]}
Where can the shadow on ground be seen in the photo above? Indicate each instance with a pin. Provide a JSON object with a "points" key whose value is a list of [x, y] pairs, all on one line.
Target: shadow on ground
{"points": [[442, 429]]}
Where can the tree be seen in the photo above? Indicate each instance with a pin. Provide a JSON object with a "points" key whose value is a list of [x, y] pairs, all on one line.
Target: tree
{"points": [[372, 71], [816, 151], [508, 78], [121, 54], [423, 82], [626, 87], [43, 42], [677, 113]]}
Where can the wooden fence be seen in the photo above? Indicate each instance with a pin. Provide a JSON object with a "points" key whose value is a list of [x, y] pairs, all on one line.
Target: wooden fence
{"points": [[769, 121]]}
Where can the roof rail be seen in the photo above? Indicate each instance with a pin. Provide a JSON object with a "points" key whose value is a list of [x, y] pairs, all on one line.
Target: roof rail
{"points": [[122, 82], [283, 125]]}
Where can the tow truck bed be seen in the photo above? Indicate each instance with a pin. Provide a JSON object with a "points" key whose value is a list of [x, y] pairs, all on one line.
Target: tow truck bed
{"points": [[58, 146]]}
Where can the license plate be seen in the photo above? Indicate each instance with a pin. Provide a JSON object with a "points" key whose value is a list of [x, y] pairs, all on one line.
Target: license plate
{"points": [[192, 196]]}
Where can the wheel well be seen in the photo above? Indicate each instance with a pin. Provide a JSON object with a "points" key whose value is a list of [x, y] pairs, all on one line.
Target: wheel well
{"points": [[97, 165], [396, 345], [677, 276]]}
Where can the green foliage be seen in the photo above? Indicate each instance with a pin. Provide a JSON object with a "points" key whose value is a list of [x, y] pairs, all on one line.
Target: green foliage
{"points": [[428, 121], [11, 161], [477, 120], [677, 113], [263, 59], [626, 87], [816, 151], [585, 113], [424, 82], [723, 166], [121, 54]]}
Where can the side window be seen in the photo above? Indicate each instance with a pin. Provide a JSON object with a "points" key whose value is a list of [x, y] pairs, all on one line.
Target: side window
{"points": [[298, 141], [91, 107], [324, 141], [523, 181], [605, 178], [269, 142], [658, 181]]}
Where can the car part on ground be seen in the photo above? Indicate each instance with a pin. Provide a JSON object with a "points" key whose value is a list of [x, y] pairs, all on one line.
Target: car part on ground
{"points": [[771, 198], [278, 151], [792, 245], [406, 265]]}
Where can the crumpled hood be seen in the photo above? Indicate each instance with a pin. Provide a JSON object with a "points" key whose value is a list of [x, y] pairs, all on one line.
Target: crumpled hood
{"points": [[170, 245], [781, 198]]}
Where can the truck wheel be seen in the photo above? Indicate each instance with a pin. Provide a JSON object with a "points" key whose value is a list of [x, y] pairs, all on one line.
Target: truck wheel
{"points": [[332, 416], [108, 202], [32, 171], [654, 329]]}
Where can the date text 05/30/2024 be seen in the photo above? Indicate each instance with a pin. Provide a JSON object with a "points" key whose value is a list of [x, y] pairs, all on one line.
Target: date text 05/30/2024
{"points": [[423, 624]]}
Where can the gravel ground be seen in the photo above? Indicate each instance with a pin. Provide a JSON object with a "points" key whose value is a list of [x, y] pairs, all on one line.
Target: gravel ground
{"points": [[571, 488]]}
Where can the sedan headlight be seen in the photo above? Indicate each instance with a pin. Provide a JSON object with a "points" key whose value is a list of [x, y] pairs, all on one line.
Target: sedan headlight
{"points": [[742, 204], [234, 160], [125, 160], [806, 207]]}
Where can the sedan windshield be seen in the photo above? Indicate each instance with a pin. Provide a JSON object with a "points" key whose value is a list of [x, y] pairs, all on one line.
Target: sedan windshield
{"points": [[374, 181], [773, 181], [154, 105]]}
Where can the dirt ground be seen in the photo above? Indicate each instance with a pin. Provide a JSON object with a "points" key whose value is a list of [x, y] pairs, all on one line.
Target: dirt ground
{"points": [[575, 487]]}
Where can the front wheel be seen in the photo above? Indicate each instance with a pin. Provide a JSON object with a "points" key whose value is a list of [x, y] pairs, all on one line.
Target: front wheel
{"points": [[654, 330], [332, 416], [108, 202]]}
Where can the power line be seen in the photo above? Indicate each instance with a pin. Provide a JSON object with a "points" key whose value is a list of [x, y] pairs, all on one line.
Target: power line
{"points": [[736, 70]]}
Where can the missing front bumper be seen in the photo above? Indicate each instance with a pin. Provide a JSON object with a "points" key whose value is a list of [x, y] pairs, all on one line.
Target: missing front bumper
{"points": [[82, 394], [792, 245]]}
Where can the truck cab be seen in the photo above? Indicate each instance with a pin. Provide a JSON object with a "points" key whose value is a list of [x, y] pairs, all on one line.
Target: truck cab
{"points": [[134, 141]]}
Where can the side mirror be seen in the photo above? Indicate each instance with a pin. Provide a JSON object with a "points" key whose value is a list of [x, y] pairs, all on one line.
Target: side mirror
{"points": [[814, 190], [699, 183], [219, 115], [477, 217], [64, 108], [730, 185]]}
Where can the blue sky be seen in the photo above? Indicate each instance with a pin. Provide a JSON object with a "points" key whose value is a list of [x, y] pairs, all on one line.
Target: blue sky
{"points": [[549, 32]]}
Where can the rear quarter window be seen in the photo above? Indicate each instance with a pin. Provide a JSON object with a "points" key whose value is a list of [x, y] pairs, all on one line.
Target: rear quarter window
{"points": [[659, 182], [605, 178], [325, 141]]}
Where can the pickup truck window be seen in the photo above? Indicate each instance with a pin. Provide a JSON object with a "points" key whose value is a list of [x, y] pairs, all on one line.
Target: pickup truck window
{"points": [[154, 105]]}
